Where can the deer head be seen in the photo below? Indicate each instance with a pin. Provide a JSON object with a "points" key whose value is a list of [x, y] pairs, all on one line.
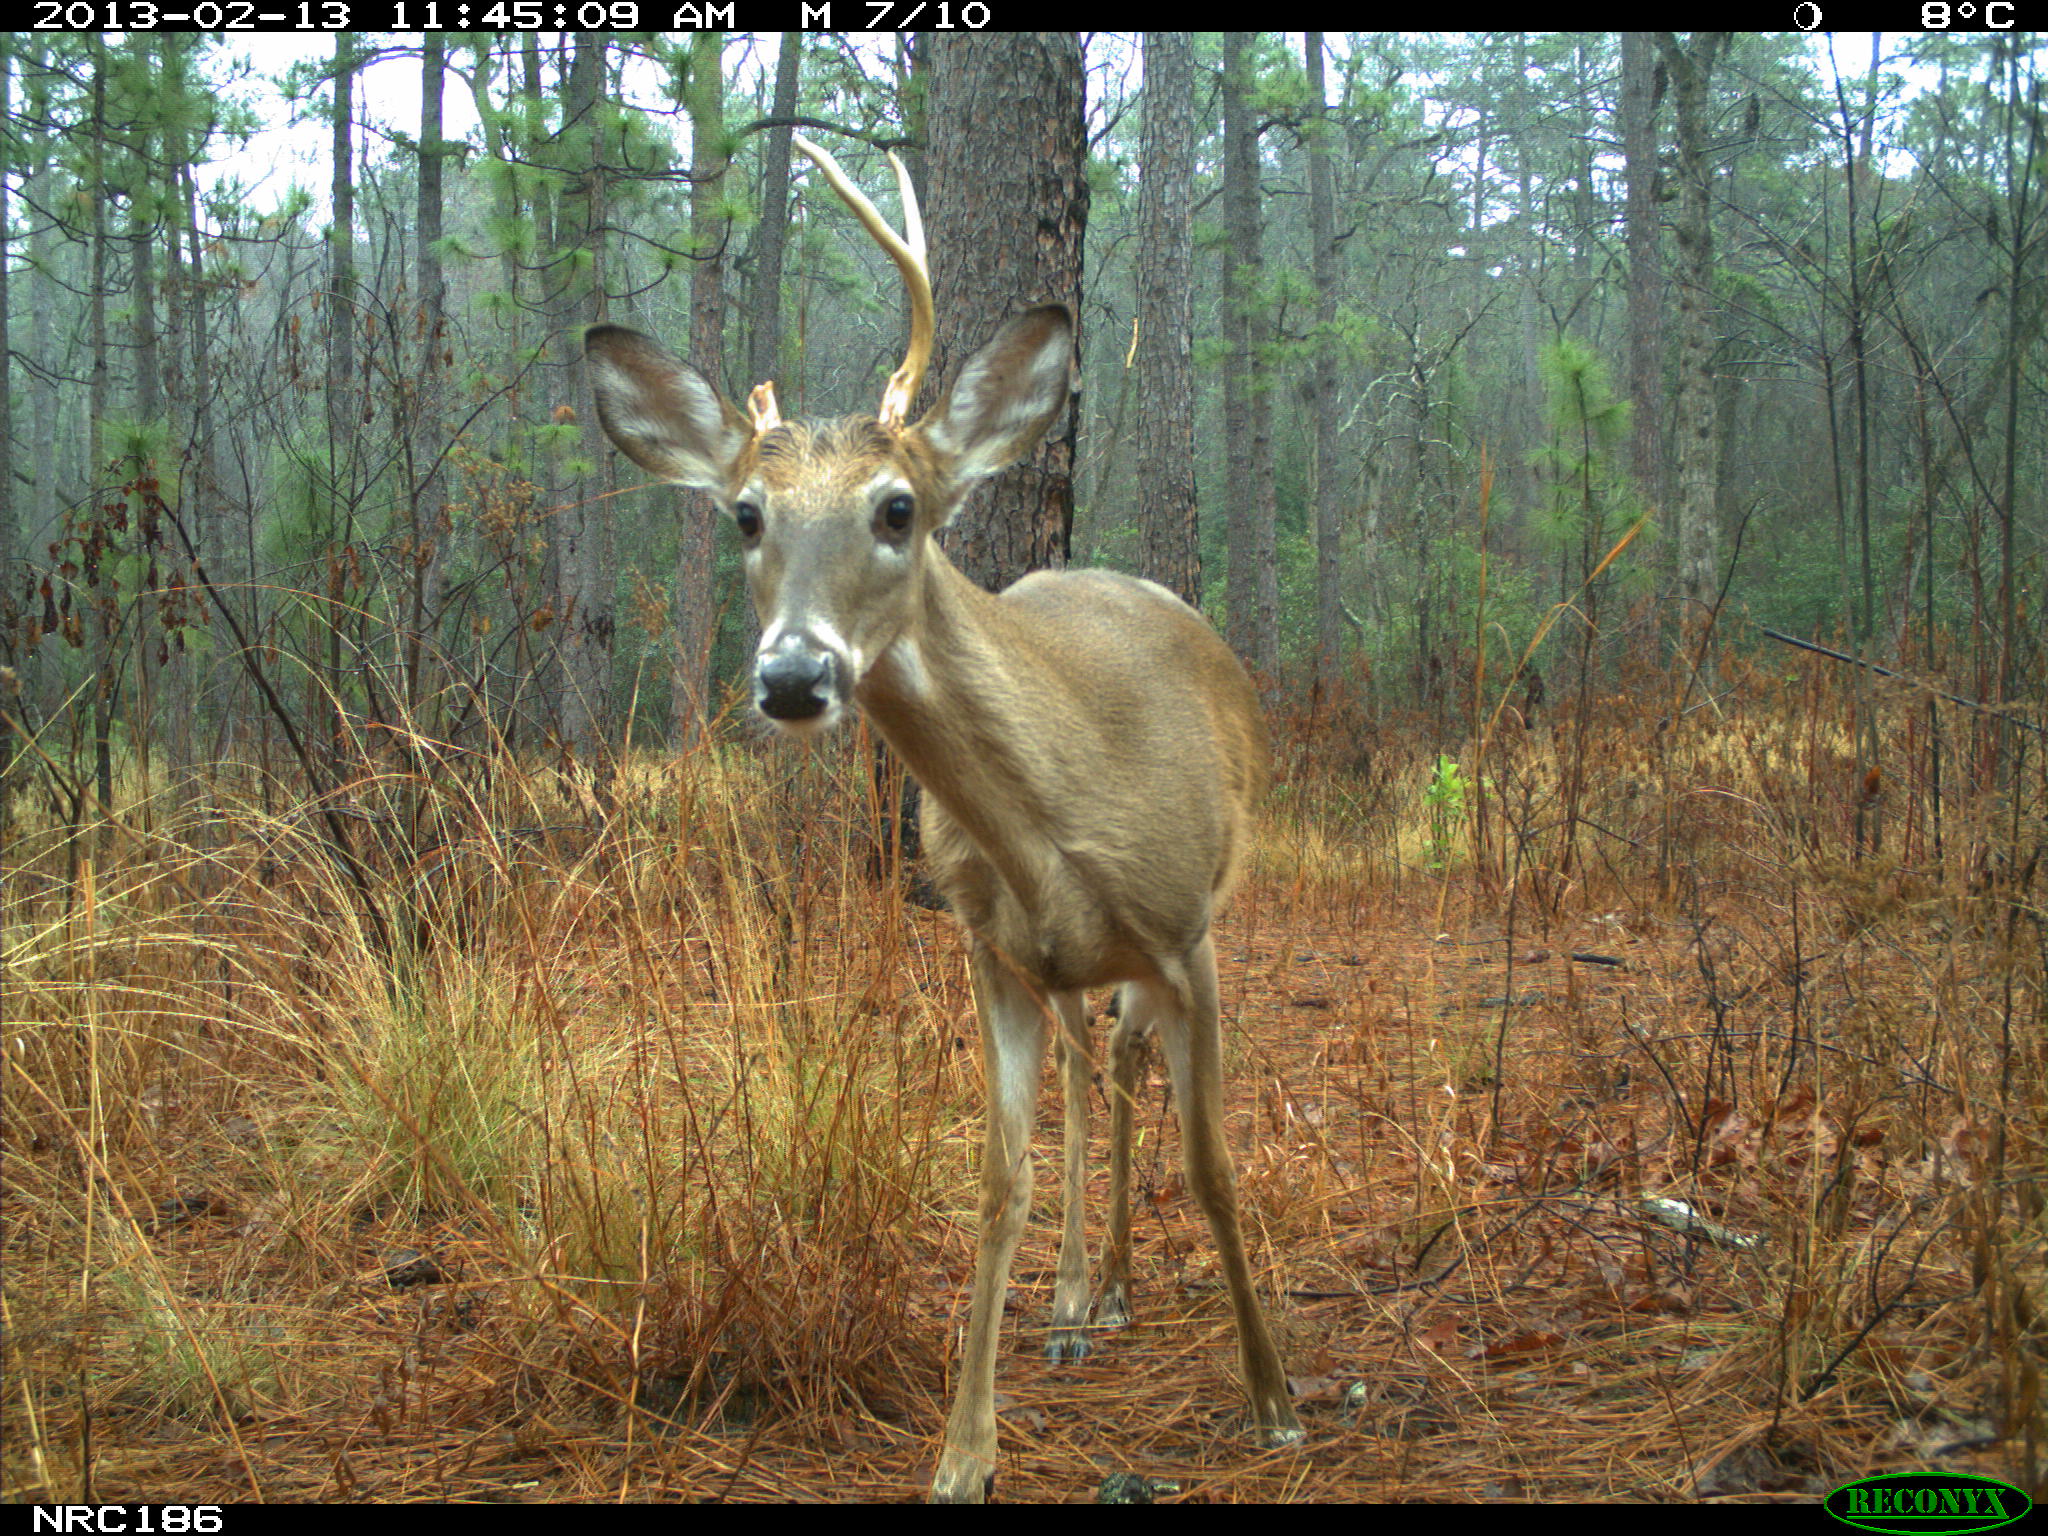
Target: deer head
{"points": [[836, 518]]}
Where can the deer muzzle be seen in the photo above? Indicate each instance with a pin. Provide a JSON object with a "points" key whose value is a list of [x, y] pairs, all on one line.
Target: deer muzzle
{"points": [[799, 681]]}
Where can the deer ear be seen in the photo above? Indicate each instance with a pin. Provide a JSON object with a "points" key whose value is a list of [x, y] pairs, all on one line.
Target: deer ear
{"points": [[660, 412], [1007, 395]]}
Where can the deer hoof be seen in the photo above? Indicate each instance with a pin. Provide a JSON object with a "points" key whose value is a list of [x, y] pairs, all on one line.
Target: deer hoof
{"points": [[1113, 1310], [1277, 1437], [1067, 1344], [962, 1485]]}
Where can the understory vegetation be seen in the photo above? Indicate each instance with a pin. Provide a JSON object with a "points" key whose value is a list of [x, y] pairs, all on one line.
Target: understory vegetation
{"points": [[1658, 1117]]}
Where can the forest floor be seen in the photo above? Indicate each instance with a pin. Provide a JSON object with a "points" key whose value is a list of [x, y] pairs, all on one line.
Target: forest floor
{"points": [[645, 1170]]}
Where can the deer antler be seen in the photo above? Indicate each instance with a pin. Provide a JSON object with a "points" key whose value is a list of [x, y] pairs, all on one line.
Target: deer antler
{"points": [[908, 252]]}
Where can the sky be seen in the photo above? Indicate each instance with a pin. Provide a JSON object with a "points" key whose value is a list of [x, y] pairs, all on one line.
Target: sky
{"points": [[291, 150]]}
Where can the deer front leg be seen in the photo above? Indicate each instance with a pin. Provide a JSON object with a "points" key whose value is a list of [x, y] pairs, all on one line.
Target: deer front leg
{"points": [[1013, 1020], [1069, 1337]]}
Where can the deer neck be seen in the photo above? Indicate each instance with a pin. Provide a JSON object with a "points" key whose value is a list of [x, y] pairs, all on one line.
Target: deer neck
{"points": [[960, 697]]}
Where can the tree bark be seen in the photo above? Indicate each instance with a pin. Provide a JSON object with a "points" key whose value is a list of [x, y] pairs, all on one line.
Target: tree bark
{"points": [[341, 316], [104, 666], [428, 556], [1170, 550], [583, 520], [1644, 220], [1691, 70], [1253, 621], [1007, 208], [1329, 499], [696, 557], [42, 263], [342, 412], [9, 497], [765, 343]]}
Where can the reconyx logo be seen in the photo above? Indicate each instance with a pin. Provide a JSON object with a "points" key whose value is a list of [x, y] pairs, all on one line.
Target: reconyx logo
{"points": [[1949, 1503]]}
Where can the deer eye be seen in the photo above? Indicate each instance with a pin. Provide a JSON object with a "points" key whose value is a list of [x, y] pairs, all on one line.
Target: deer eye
{"points": [[748, 517], [898, 512]]}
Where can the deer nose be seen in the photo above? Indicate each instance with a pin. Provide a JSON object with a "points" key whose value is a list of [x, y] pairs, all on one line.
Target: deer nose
{"points": [[796, 682]]}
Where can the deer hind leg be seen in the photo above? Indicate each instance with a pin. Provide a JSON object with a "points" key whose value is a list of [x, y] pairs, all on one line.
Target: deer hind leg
{"points": [[1193, 1037], [1013, 1033], [1137, 1007], [1069, 1338]]}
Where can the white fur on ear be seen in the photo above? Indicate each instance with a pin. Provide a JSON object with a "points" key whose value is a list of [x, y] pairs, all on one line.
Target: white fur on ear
{"points": [[660, 411], [1006, 397]]}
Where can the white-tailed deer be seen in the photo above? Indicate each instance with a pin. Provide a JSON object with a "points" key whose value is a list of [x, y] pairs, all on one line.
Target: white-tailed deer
{"points": [[1090, 753]]}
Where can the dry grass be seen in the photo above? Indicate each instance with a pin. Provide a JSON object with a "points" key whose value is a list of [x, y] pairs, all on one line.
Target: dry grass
{"points": [[529, 1163]]}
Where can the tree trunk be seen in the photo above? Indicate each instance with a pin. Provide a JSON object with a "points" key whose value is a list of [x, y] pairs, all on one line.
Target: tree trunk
{"points": [[1248, 411], [1691, 70], [427, 558], [341, 317], [201, 499], [342, 412], [1008, 203], [588, 570], [765, 343], [11, 579], [696, 553], [508, 543], [1329, 476], [1644, 221], [148, 402], [101, 602], [1170, 550], [546, 595], [42, 264], [10, 499]]}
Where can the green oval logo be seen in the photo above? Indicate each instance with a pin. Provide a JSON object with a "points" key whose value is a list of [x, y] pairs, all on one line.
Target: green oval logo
{"points": [[1913, 1502]]}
